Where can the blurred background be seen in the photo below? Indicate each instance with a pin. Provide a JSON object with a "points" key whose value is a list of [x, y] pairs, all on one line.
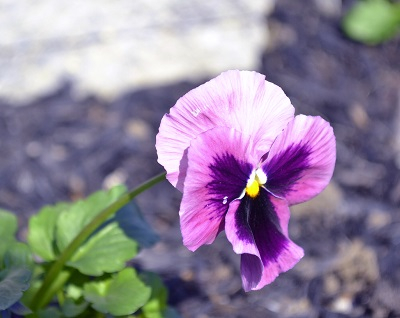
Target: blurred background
{"points": [[84, 85]]}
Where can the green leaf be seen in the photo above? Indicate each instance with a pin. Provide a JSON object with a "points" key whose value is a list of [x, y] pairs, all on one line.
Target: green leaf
{"points": [[36, 281], [109, 248], [50, 312], [117, 237], [157, 307], [41, 232], [123, 294], [157, 303], [12, 284], [73, 291], [8, 229], [8, 224], [372, 21], [171, 313], [5, 243], [70, 308], [105, 252], [18, 255], [74, 288], [135, 226], [73, 219]]}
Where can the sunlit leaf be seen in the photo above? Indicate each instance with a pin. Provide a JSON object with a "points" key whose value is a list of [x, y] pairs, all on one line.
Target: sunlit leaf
{"points": [[105, 252], [13, 282], [372, 21], [123, 294], [73, 219], [109, 248], [74, 292], [41, 232], [157, 304]]}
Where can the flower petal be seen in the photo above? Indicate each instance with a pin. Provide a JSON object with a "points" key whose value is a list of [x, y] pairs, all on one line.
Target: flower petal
{"points": [[289, 256], [251, 269], [257, 228], [238, 99], [217, 174], [301, 160], [238, 230]]}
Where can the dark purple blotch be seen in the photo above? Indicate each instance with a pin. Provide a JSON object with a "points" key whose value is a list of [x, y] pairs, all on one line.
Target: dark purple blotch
{"points": [[229, 178], [286, 167], [257, 222]]}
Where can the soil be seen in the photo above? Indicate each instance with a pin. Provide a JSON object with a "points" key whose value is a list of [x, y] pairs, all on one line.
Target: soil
{"points": [[60, 148]]}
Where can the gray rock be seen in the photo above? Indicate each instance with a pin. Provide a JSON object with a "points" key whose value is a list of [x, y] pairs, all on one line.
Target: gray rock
{"points": [[109, 47]]}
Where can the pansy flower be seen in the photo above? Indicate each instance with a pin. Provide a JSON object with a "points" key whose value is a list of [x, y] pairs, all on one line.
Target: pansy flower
{"points": [[239, 155]]}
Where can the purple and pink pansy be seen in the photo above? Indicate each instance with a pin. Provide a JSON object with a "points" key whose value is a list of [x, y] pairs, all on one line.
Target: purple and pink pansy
{"points": [[240, 157]]}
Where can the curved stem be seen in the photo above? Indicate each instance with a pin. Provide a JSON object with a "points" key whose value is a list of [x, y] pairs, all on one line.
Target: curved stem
{"points": [[51, 284]]}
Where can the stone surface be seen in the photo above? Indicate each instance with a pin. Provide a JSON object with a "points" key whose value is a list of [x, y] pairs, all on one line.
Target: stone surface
{"points": [[108, 47]]}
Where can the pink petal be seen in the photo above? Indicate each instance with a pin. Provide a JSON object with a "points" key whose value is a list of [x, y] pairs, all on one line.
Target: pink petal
{"points": [[301, 160], [217, 174], [237, 99], [289, 257], [251, 269]]}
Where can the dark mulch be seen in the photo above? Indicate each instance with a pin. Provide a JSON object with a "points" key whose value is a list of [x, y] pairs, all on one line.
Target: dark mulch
{"points": [[58, 148]]}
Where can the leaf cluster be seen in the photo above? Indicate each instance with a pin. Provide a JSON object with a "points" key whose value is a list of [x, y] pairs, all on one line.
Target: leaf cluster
{"points": [[95, 280], [15, 266]]}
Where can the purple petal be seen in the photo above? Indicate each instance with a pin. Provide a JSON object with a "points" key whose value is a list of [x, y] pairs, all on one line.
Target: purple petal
{"points": [[288, 257], [257, 229], [301, 161], [257, 222], [217, 174], [251, 269], [238, 231], [237, 99]]}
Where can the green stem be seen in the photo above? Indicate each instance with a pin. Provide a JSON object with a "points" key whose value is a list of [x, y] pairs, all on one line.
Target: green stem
{"points": [[51, 284]]}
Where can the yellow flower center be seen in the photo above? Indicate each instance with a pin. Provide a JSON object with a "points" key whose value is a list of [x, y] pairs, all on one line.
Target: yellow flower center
{"points": [[257, 179], [253, 189]]}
